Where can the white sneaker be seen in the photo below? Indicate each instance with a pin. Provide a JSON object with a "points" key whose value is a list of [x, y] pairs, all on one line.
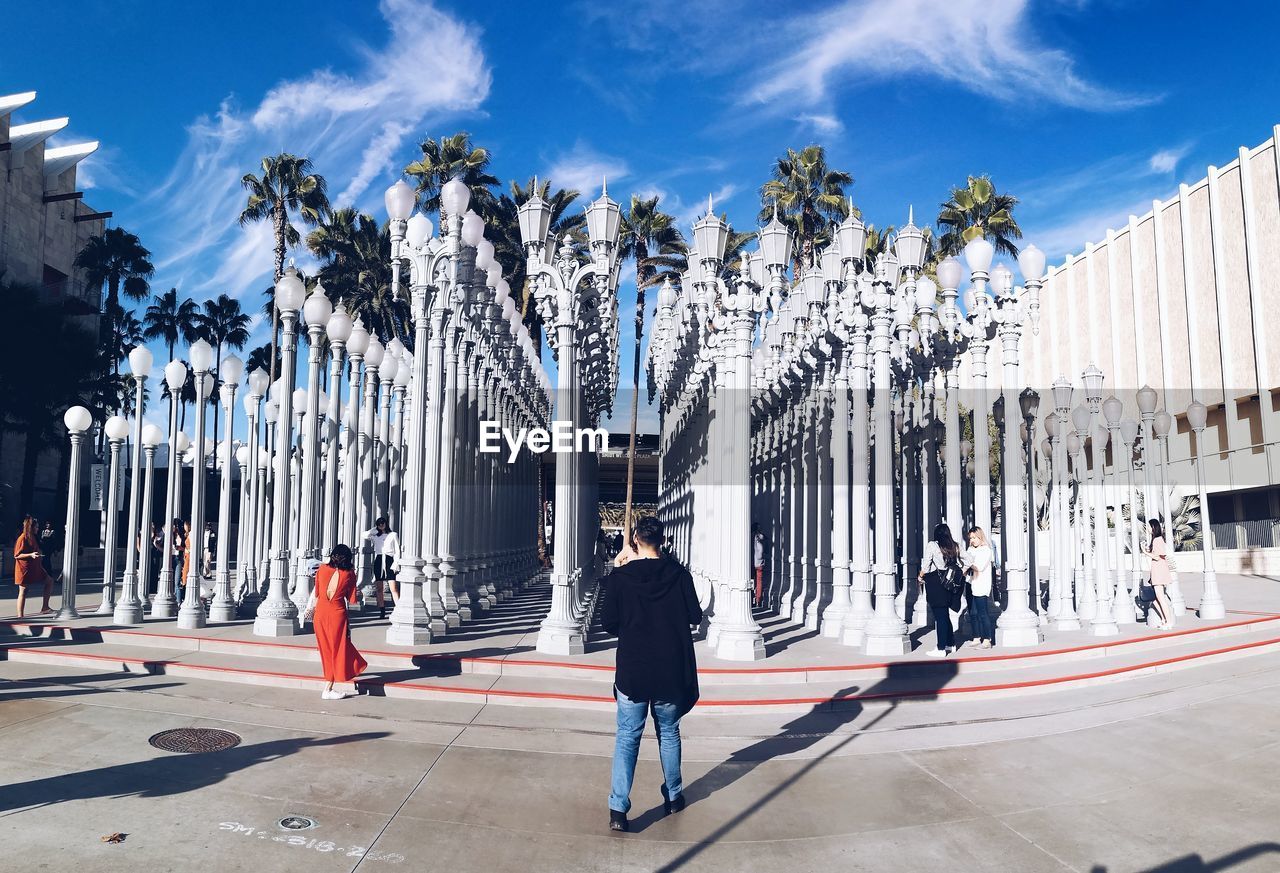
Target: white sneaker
{"points": [[936, 653], [327, 694]]}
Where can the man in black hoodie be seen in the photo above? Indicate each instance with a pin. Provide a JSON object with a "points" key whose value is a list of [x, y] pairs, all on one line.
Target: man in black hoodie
{"points": [[649, 605]]}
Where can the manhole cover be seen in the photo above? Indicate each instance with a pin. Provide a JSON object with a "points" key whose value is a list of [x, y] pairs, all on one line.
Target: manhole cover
{"points": [[297, 823], [195, 740]]}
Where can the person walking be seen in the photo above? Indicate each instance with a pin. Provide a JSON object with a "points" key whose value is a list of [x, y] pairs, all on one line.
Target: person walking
{"points": [[210, 548], [177, 559], [943, 581], [757, 562], [650, 604], [386, 552], [978, 561], [155, 554], [28, 569], [336, 583], [1158, 552]]}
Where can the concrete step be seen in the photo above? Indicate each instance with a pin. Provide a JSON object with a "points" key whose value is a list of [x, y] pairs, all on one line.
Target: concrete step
{"points": [[826, 666], [443, 679]]}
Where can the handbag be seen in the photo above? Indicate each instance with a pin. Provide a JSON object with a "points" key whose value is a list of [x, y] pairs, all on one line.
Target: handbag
{"points": [[309, 611], [1146, 592]]}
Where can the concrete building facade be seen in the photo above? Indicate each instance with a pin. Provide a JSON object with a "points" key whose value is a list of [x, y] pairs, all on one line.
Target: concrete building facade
{"points": [[44, 223], [1185, 299]]}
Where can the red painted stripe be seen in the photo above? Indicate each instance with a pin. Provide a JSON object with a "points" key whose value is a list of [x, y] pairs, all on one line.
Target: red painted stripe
{"points": [[788, 701]]}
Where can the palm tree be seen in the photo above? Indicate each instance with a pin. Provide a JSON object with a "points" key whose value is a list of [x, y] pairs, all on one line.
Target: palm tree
{"points": [[504, 222], [877, 242], [978, 210], [651, 238], [287, 185], [170, 319], [453, 157], [808, 196], [259, 359], [124, 334], [358, 272], [222, 323], [117, 259]]}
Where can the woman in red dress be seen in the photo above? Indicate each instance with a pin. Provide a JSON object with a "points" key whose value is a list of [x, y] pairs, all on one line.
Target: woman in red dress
{"points": [[336, 583], [27, 568]]}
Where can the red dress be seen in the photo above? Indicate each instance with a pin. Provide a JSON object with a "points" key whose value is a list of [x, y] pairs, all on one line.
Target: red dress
{"points": [[27, 571], [341, 661]]}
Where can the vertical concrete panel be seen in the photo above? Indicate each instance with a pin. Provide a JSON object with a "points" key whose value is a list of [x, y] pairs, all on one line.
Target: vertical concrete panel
{"points": [[1173, 291], [1235, 287], [1143, 254], [1203, 325], [1266, 253]]}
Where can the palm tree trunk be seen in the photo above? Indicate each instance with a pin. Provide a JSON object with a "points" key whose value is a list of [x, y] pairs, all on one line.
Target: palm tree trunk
{"points": [[281, 219], [641, 255], [30, 456]]}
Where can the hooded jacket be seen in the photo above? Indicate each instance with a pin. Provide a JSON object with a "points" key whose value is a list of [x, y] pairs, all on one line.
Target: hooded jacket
{"points": [[650, 604]]}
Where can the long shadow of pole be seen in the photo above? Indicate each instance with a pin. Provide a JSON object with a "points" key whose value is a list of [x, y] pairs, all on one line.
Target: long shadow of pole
{"points": [[1196, 864], [796, 735]]}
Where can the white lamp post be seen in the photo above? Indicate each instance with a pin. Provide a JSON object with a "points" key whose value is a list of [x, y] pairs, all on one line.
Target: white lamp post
{"points": [[191, 614], [117, 429], [152, 437], [1162, 424], [338, 328], [1211, 605], [77, 420], [1086, 581], [129, 609], [277, 616], [165, 604], [247, 560], [1065, 614], [1122, 606], [315, 312], [223, 607], [1129, 436]]}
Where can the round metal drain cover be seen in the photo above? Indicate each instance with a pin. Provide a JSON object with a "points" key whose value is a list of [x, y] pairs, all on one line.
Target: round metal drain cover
{"points": [[297, 823], [190, 740]]}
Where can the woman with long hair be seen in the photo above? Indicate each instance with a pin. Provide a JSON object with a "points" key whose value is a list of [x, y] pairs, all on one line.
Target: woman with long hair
{"points": [[27, 567], [940, 573], [978, 565], [386, 551], [1158, 552], [336, 583]]}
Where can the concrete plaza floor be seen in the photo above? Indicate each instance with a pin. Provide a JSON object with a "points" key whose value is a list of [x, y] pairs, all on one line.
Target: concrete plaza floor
{"points": [[1171, 772]]}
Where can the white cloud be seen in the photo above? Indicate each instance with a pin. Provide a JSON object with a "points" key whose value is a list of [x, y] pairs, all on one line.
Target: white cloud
{"points": [[1166, 160], [821, 123], [986, 46], [583, 169], [354, 125]]}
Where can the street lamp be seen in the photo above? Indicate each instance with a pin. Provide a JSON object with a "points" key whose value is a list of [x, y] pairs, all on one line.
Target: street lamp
{"points": [[1122, 606], [1129, 437], [315, 312], [166, 605], [223, 607], [1162, 424], [1064, 612], [117, 429], [77, 420], [278, 616], [247, 561], [152, 437], [338, 328], [191, 614], [1211, 605], [129, 609]]}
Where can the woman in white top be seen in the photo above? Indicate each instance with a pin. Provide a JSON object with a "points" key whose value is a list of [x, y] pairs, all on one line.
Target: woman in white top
{"points": [[977, 559], [386, 551]]}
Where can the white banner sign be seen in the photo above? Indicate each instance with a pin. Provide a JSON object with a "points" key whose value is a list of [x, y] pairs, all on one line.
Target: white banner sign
{"points": [[98, 487]]}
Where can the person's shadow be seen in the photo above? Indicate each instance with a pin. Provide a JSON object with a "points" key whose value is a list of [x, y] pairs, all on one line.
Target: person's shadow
{"points": [[843, 708], [161, 776]]}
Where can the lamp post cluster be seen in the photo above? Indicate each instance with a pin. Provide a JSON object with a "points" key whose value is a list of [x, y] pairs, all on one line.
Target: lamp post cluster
{"points": [[825, 430], [576, 295], [1108, 475]]}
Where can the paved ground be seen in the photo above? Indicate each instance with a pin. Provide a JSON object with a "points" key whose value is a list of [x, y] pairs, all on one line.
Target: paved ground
{"points": [[1174, 772]]}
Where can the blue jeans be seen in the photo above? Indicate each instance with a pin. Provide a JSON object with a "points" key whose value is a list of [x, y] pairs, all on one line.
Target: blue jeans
{"points": [[980, 618], [626, 749]]}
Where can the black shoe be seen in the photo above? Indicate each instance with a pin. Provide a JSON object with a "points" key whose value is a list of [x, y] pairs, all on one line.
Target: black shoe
{"points": [[618, 821], [382, 614]]}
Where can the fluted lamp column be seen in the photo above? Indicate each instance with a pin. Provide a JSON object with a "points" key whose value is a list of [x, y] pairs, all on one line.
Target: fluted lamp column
{"points": [[137, 541], [117, 429], [277, 616], [166, 604], [1211, 605], [77, 420], [191, 614], [223, 607], [315, 312]]}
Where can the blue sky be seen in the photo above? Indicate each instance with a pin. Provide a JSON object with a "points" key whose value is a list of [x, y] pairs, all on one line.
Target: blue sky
{"points": [[1085, 109]]}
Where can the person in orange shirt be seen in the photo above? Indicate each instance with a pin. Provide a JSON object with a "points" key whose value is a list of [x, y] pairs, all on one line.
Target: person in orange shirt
{"points": [[27, 567]]}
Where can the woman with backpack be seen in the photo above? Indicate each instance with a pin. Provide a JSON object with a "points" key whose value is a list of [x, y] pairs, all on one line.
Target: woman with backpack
{"points": [[943, 581]]}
